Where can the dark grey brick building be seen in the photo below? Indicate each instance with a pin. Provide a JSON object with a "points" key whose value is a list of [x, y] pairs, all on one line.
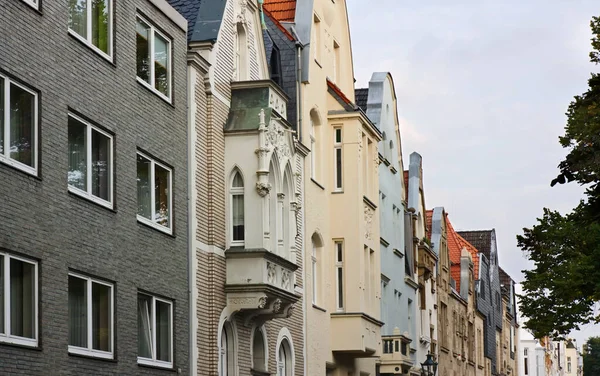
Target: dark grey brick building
{"points": [[93, 188]]}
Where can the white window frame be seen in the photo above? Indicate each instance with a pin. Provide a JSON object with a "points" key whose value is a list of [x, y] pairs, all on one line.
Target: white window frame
{"points": [[154, 30], [88, 41], [155, 362], [6, 337], [5, 157], [35, 4], [315, 290], [89, 351], [339, 265], [88, 145], [338, 146], [150, 222], [236, 191], [313, 150]]}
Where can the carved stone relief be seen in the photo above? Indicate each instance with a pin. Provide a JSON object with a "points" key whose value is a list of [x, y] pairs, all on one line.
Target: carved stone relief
{"points": [[368, 222], [271, 273], [263, 189]]}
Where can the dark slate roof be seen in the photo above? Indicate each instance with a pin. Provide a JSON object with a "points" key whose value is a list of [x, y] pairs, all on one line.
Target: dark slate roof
{"points": [[504, 278], [481, 239], [361, 96], [204, 17]]}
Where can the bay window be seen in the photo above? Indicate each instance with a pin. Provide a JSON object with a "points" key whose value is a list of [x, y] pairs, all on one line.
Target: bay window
{"points": [[154, 194], [90, 161], [91, 22], [155, 331], [18, 300], [153, 54], [91, 314], [18, 125]]}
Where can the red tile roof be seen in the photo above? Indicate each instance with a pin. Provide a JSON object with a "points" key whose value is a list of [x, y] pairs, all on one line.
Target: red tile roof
{"points": [[279, 25], [428, 220], [282, 10], [456, 244], [338, 91]]}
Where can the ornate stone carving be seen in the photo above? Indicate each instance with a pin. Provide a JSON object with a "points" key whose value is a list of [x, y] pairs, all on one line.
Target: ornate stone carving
{"points": [[241, 17], [277, 140], [242, 301], [263, 189], [285, 279], [277, 306], [360, 136], [368, 222], [271, 273], [281, 196], [262, 302], [290, 310]]}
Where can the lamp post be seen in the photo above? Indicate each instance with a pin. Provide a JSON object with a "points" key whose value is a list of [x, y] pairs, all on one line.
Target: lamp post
{"points": [[429, 367]]}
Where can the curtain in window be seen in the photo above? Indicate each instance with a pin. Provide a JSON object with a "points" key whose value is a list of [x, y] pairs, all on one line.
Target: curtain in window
{"points": [[78, 17], [100, 24], [144, 329], [1, 116], [161, 64], [238, 216], [100, 165], [143, 50], [101, 320], [143, 187], [22, 298], [2, 282], [77, 176], [161, 198], [163, 331], [22, 109], [77, 312]]}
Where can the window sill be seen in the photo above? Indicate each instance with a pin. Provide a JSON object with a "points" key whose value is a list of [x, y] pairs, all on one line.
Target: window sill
{"points": [[156, 364], [98, 51], [23, 343], [148, 223], [91, 354], [19, 166], [154, 91], [336, 192], [319, 308], [317, 183], [84, 195]]}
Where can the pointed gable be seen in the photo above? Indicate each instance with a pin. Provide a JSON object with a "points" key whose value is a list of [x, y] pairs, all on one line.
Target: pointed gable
{"points": [[456, 244]]}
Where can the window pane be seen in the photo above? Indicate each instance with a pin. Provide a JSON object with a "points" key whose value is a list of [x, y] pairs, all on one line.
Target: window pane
{"points": [[238, 217], [22, 108], [101, 24], [237, 181], [338, 168], [161, 61], [101, 320], [338, 135], [2, 276], [78, 17], [100, 165], [162, 203], [163, 331], [22, 299], [1, 116], [340, 287], [144, 326], [143, 50], [77, 176], [77, 312], [143, 187]]}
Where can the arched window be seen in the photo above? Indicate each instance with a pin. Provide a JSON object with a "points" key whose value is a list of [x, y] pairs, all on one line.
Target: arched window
{"points": [[241, 53], [275, 65], [314, 143], [284, 359], [273, 208], [259, 362], [316, 270], [237, 208], [227, 352]]}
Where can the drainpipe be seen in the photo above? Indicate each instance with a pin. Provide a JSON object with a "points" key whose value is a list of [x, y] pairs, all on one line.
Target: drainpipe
{"points": [[262, 15], [299, 48]]}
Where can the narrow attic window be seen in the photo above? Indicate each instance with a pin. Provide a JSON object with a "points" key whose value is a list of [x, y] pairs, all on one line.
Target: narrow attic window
{"points": [[275, 66]]}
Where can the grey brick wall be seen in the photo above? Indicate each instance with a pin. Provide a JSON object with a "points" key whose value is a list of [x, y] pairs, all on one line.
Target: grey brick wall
{"points": [[38, 216]]}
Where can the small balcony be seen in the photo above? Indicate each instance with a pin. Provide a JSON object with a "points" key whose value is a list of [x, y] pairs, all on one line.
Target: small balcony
{"points": [[260, 284], [427, 260], [356, 334], [395, 358]]}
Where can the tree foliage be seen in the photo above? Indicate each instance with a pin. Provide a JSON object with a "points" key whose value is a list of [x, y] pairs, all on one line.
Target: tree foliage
{"points": [[591, 356], [560, 292]]}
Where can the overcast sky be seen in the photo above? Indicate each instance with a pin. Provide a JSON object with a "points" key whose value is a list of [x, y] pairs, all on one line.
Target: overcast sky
{"points": [[482, 90]]}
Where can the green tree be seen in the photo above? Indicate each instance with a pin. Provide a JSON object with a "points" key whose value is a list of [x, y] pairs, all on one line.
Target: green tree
{"points": [[591, 356], [559, 293]]}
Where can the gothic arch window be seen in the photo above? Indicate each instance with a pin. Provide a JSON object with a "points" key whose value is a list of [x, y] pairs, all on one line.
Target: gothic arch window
{"points": [[236, 191], [275, 65], [227, 351], [259, 351], [288, 215], [241, 53], [273, 209], [284, 359]]}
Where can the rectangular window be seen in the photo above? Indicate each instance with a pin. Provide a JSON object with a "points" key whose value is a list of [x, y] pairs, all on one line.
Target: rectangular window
{"points": [[155, 331], [18, 300], [314, 274], [90, 161], [339, 273], [338, 167], [18, 125], [91, 315], [91, 22], [526, 365], [336, 61], [154, 183], [153, 54], [317, 44]]}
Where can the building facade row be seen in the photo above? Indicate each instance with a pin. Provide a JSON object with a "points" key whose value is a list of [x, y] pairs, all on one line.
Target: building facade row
{"points": [[197, 186]]}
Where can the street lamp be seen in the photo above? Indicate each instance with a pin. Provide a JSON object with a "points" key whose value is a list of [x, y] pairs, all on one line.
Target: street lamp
{"points": [[429, 367]]}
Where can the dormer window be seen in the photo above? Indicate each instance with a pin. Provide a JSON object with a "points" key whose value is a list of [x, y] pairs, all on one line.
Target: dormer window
{"points": [[237, 208], [275, 66]]}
